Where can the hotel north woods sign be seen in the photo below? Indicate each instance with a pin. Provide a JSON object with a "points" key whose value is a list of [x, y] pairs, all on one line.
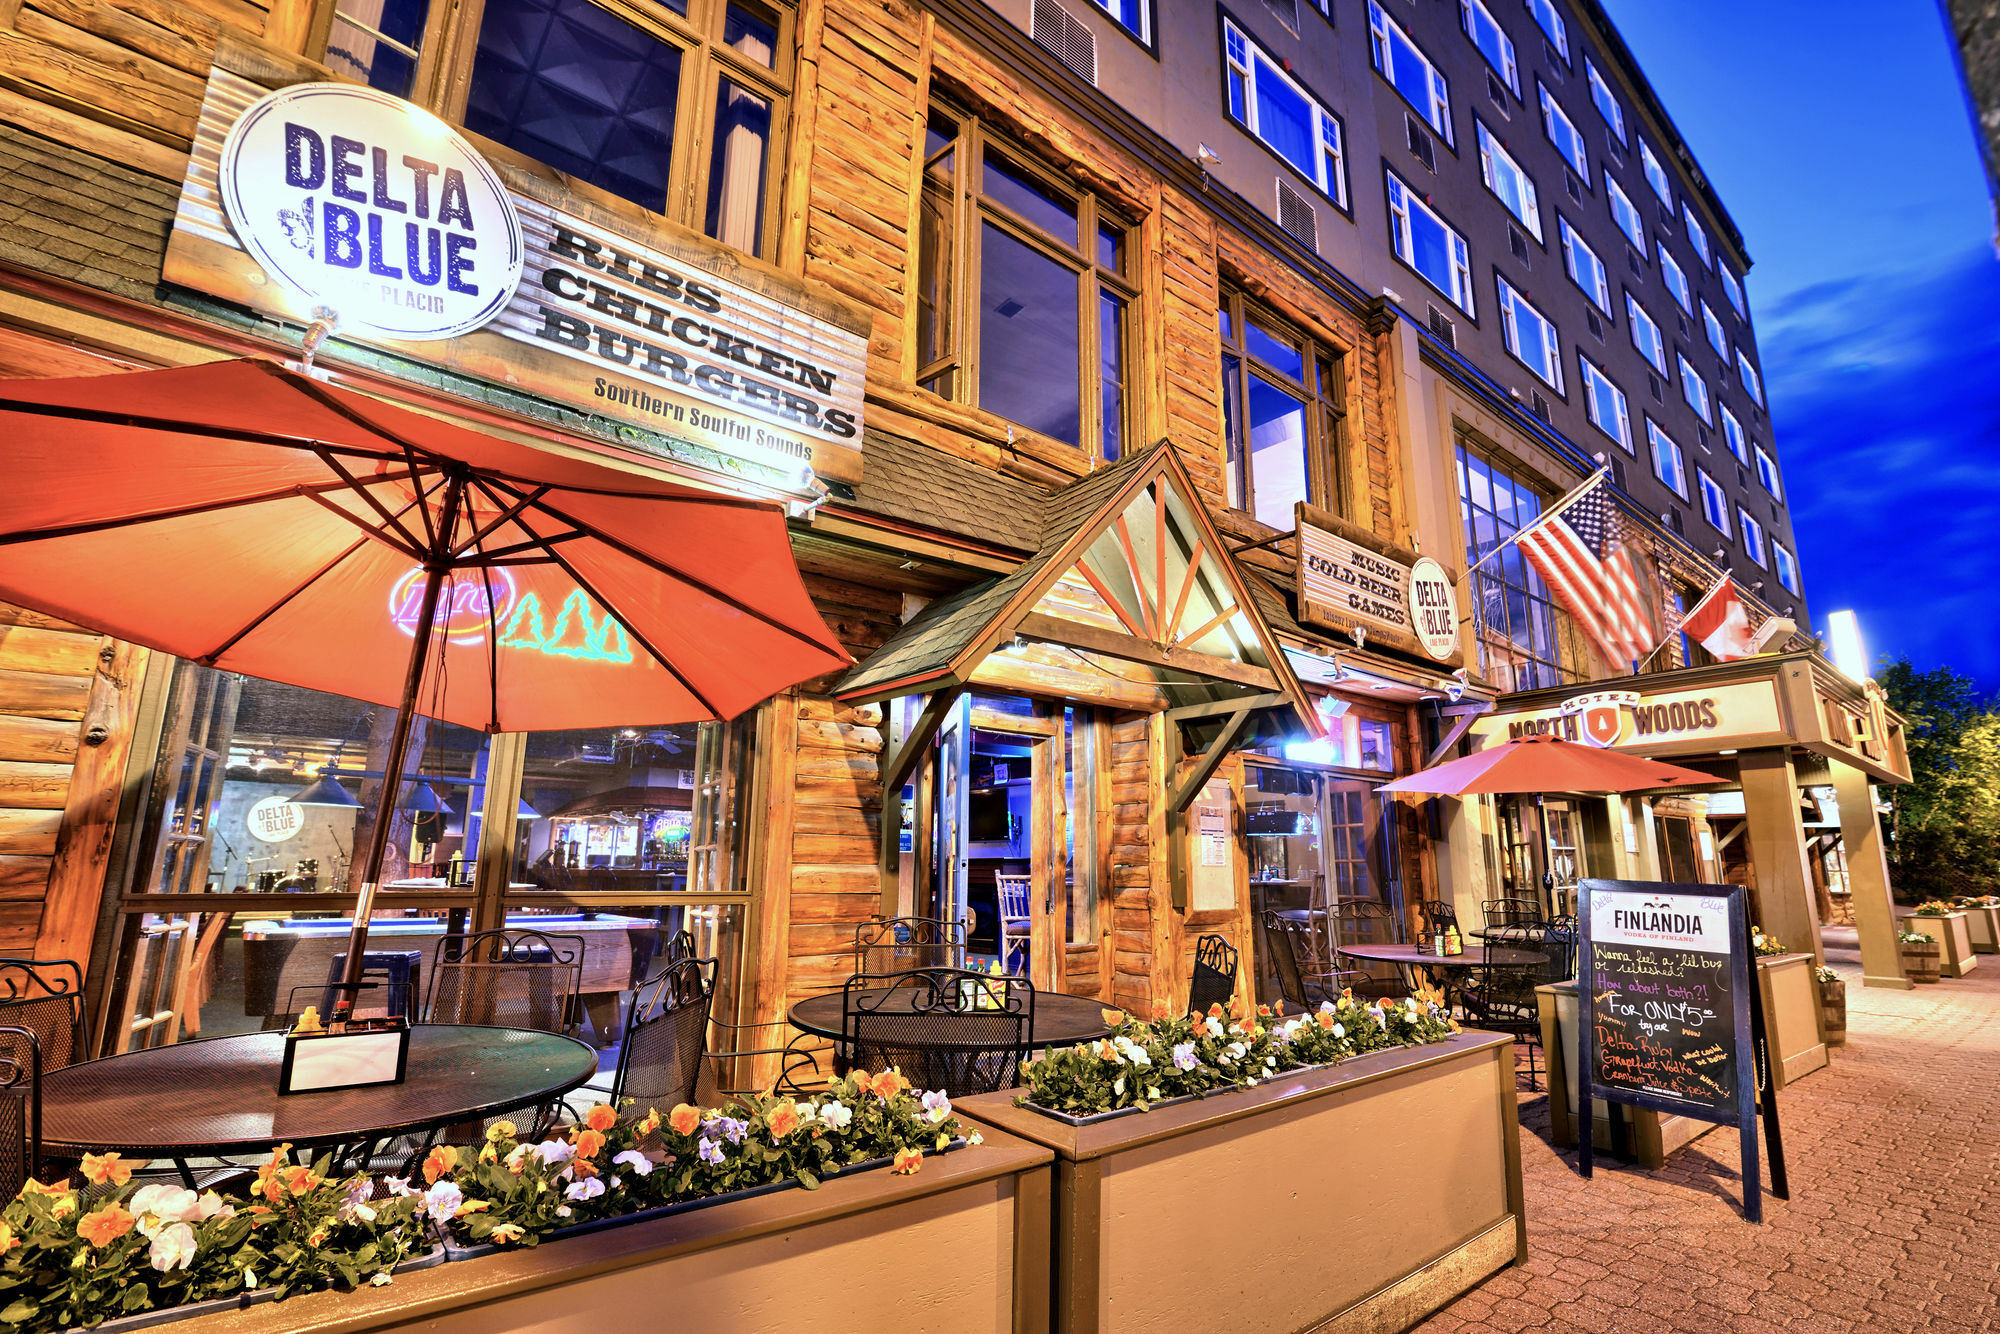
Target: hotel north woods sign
{"points": [[1721, 715], [332, 196], [1351, 580]]}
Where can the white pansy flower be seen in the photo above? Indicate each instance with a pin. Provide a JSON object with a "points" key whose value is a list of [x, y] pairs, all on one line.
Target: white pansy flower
{"points": [[172, 1248], [635, 1160]]}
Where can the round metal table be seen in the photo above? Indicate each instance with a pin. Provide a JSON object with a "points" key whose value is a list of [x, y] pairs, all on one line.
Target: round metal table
{"points": [[1411, 956], [1061, 1020], [220, 1095]]}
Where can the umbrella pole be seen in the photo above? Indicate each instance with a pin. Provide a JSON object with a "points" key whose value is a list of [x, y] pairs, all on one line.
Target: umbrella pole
{"points": [[392, 786]]}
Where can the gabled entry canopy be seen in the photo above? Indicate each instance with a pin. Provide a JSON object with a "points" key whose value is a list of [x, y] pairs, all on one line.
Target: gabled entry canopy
{"points": [[1131, 583]]}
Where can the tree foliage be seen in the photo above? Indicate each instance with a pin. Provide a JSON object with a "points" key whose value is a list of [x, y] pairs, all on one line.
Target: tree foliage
{"points": [[1945, 829]]}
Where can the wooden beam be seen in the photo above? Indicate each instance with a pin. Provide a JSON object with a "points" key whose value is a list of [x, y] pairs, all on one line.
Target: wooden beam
{"points": [[1186, 789], [1091, 639], [897, 766], [1110, 600], [1056, 671], [1216, 708], [1463, 723]]}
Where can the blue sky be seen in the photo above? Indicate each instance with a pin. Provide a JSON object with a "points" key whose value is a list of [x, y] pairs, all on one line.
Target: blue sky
{"points": [[1838, 137]]}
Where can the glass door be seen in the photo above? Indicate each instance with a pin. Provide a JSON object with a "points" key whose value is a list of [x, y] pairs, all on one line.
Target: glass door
{"points": [[1565, 858]]}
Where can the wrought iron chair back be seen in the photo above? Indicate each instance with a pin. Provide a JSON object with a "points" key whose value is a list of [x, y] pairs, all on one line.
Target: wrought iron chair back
{"points": [[897, 944], [46, 995], [1214, 979], [1437, 917], [944, 1028], [660, 1061], [1302, 979], [508, 977], [680, 945], [1505, 1000], [20, 1107], [1367, 922], [1509, 912]]}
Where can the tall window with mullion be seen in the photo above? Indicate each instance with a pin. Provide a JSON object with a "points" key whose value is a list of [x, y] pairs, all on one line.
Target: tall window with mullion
{"points": [[1753, 535], [1563, 134], [1717, 339], [1023, 308], [1492, 40], [1551, 21], [1530, 336], [675, 107], [1622, 213], [1605, 99], [1276, 109], [1585, 269], [1675, 278], [1714, 503], [378, 42], [1524, 640], [1646, 334], [1733, 290], [1788, 567], [1767, 472], [1605, 402], [1753, 384], [1733, 435], [1426, 243], [1697, 234], [1284, 416], [1409, 70], [1669, 463], [1135, 16], [1656, 175], [1694, 389], [1509, 184]]}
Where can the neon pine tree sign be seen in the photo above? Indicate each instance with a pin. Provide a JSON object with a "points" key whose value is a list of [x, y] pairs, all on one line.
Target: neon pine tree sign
{"points": [[577, 633], [582, 630]]}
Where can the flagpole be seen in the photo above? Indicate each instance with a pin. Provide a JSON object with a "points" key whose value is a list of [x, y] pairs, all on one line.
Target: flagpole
{"points": [[1681, 620], [1542, 518]]}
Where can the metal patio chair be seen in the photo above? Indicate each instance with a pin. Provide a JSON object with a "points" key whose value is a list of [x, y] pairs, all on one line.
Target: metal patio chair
{"points": [[660, 1061], [1214, 979], [944, 1028], [893, 944]]}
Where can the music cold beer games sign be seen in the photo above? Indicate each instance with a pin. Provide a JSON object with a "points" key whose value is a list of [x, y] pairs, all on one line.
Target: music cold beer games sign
{"points": [[330, 197]]}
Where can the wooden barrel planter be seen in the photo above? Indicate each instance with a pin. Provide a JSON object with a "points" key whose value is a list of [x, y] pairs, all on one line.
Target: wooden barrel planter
{"points": [[1921, 959], [1954, 938], [1833, 1011]]}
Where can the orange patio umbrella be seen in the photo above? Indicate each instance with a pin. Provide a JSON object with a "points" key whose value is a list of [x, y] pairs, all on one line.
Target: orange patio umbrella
{"points": [[255, 519], [1546, 764]]}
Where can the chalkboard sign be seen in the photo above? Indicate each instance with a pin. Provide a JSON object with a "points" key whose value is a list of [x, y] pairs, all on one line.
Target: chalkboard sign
{"points": [[1672, 1018]]}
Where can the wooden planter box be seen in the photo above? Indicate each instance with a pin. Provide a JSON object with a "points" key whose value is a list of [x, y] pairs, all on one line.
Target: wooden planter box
{"points": [[1652, 1135], [1920, 961], [1791, 1016], [1833, 1012], [961, 1246], [1363, 1196], [1983, 926], [1952, 932]]}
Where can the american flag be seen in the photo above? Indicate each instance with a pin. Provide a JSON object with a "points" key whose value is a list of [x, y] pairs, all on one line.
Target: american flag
{"points": [[1578, 552]]}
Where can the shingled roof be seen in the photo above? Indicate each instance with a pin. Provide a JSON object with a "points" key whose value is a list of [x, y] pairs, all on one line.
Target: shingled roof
{"points": [[908, 480], [70, 215]]}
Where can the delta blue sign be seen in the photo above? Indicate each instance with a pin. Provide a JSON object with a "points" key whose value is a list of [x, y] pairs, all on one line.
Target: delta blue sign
{"points": [[372, 208]]}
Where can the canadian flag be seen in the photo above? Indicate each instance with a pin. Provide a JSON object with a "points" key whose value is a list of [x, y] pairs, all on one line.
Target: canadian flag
{"points": [[1720, 622]]}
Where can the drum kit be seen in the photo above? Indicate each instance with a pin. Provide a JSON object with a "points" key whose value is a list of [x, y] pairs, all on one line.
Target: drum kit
{"points": [[303, 878]]}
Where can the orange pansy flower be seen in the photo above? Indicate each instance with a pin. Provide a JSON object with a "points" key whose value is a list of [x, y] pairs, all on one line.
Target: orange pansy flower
{"points": [[101, 1227], [784, 1119], [907, 1162], [101, 1169], [8, 1241], [1215, 1012], [889, 1083], [601, 1117], [685, 1119], [588, 1142], [439, 1162], [1325, 1018], [1112, 1018]]}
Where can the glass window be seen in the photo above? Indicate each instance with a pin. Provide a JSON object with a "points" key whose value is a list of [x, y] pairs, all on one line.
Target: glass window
{"points": [[1753, 385], [1733, 290], [1656, 175], [1491, 39], [1753, 535], [1398, 60], [1717, 339], [1669, 464], [1646, 335], [1732, 434], [1622, 213], [1586, 270], [1606, 100], [1694, 389], [1425, 243], [1697, 236], [1268, 103], [1283, 415], [1042, 338], [1530, 336], [1135, 16], [1084, 738], [1524, 639], [1605, 402], [1675, 278], [1508, 182], [1767, 472], [378, 42], [1714, 505], [1563, 133], [1551, 21], [1788, 568]]}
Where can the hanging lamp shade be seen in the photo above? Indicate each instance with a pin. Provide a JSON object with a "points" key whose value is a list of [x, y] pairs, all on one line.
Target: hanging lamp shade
{"points": [[424, 800], [527, 812], [326, 790]]}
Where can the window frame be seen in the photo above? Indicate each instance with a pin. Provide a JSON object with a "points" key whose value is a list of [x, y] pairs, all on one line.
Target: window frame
{"points": [[1674, 278], [1767, 473], [1614, 196], [1786, 567], [1402, 243], [1510, 72], [1567, 658], [1324, 115], [1732, 290], [1753, 383], [1552, 110], [1734, 437], [1559, 35], [1656, 173], [1714, 500], [1601, 94], [1589, 378], [1490, 148], [1753, 536], [1718, 337], [1655, 436], [1691, 381], [1380, 53], [1697, 235], [1148, 21], [1636, 318], [1323, 395], [1572, 241], [1509, 300]]}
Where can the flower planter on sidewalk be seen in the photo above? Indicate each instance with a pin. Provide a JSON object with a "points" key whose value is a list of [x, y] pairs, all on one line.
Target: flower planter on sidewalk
{"points": [[1952, 933], [1833, 1010], [1216, 1213], [1791, 1016], [429, 1259], [1983, 926]]}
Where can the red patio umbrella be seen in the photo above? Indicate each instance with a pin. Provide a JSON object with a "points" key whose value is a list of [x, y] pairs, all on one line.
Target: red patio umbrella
{"points": [[251, 518], [1546, 764]]}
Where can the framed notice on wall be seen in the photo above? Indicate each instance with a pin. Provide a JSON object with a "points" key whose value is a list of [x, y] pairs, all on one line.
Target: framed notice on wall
{"points": [[1211, 831], [1672, 1018]]}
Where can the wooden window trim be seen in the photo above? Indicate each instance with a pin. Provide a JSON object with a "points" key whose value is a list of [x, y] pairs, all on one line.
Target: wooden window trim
{"points": [[1330, 478]]}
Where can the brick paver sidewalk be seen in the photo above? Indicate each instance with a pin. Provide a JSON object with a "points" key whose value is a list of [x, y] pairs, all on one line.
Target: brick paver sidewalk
{"points": [[1893, 1224]]}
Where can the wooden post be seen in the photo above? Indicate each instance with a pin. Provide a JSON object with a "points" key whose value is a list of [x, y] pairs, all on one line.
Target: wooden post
{"points": [[497, 814], [83, 841], [1868, 879], [1778, 850]]}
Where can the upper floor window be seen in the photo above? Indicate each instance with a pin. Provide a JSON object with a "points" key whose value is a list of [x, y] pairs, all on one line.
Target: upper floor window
{"points": [[1398, 60], [1283, 419], [1586, 270], [1427, 244], [1551, 21], [1266, 101], [1504, 177], [1753, 384], [1753, 535], [1733, 290], [1605, 402], [1646, 334], [1656, 175], [1530, 336], [1676, 279], [1024, 309], [1788, 568], [1717, 339], [1492, 41], [1606, 100], [1697, 235], [1622, 213], [1669, 464], [1714, 505], [1524, 640], [1767, 471], [1694, 389], [1135, 16], [1732, 434], [674, 105], [1563, 133]]}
